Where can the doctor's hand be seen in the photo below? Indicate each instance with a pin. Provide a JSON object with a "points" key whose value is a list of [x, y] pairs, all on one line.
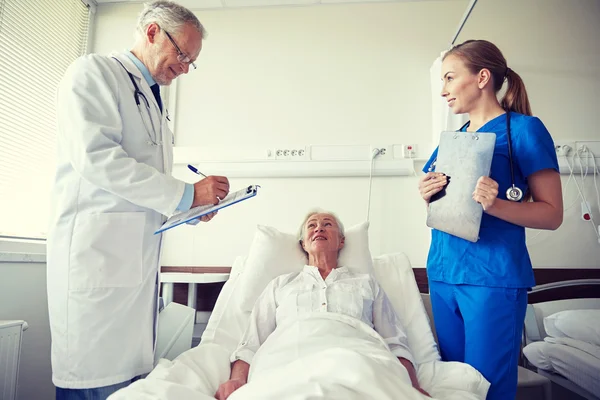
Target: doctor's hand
{"points": [[431, 183], [226, 388], [486, 192], [210, 190], [208, 217]]}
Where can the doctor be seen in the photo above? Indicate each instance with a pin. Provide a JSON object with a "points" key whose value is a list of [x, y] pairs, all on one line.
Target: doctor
{"points": [[113, 189]]}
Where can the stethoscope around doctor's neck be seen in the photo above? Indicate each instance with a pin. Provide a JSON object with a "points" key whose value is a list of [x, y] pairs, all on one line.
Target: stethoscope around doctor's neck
{"points": [[513, 193], [140, 97]]}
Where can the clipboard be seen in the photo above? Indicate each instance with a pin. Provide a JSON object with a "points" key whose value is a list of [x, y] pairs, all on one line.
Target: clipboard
{"points": [[197, 212], [464, 157]]}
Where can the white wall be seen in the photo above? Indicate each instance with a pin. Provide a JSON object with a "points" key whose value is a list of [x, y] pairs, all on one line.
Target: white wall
{"points": [[23, 296], [359, 74]]}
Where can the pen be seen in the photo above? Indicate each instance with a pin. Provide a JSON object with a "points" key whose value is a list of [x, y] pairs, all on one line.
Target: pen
{"points": [[195, 170]]}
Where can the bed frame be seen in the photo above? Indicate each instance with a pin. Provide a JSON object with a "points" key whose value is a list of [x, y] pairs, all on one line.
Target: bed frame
{"points": [[534, 327]]}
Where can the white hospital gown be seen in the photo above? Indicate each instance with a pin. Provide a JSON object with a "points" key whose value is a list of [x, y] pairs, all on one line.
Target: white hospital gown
{"points": [[294, 295]]}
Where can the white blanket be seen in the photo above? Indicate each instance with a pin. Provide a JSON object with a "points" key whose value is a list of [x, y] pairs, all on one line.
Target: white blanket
{"points": [[324, 356], [332, 356]]}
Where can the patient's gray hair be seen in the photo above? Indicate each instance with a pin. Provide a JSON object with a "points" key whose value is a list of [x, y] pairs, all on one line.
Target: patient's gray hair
{"points": [[169, 16], [314, 211]]}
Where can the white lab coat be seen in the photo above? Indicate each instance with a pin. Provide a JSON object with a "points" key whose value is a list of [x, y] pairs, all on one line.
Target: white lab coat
{"points": [[112, 191]]}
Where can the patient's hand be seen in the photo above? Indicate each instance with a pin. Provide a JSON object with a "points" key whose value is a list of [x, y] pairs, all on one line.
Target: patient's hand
{"points": [[226, 388]]}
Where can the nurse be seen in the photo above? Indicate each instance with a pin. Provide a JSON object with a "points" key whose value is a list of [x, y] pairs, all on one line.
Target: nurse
{"points": [[113, 189], [479, 290]]}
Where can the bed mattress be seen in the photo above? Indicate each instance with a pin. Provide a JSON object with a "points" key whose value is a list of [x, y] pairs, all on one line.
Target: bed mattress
{"points": [[576, 362]]}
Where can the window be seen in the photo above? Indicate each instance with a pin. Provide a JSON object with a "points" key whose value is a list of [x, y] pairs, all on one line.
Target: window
{"points": [[38, 41]]}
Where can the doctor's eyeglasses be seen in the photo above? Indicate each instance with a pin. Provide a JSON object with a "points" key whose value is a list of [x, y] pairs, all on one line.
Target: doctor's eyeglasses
{"points": [[181, 56]]}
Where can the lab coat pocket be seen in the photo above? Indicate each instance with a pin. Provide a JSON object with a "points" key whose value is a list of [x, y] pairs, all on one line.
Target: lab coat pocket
{"points": [[106, 250]]}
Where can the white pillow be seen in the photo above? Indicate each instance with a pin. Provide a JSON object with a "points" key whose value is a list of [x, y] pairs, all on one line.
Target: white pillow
{"points": [[536, 354], [581, 325], [227, 321], [395, 275], [275, 253]]}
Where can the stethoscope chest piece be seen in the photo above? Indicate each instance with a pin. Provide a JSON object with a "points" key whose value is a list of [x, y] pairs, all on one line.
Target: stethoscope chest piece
{"points": [[514, 193]]}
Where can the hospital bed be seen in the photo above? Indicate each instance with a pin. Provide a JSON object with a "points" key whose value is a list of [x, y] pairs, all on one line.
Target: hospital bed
{"points": [[198, 372], [562, 341]]}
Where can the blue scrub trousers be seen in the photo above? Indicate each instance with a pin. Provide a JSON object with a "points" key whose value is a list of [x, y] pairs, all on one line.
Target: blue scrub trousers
{"points": [[100, 393], [481, 326]]}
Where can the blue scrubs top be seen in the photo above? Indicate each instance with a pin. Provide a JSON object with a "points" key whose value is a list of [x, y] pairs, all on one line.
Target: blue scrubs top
{"points": [[500, 257]]}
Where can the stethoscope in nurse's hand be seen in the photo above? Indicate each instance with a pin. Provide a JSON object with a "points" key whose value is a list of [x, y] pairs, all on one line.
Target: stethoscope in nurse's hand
{"points": [[513, 193], [137, 95]]}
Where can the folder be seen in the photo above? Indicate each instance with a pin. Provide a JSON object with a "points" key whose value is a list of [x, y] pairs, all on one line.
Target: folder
{"points": [[197, 212], [464, 157]]}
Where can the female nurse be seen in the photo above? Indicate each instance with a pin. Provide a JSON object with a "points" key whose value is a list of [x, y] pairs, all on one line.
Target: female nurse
{"points": [[479, 290]]}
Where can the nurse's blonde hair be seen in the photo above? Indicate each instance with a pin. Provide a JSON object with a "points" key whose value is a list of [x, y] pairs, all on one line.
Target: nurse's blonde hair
{"points": [[481, 54]]}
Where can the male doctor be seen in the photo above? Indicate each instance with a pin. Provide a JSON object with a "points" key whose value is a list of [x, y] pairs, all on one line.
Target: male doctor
{"points": [[113, 189]]}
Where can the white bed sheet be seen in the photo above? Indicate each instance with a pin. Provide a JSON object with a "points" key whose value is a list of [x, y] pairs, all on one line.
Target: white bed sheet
{"points": [[197, 373], [579, 366]]}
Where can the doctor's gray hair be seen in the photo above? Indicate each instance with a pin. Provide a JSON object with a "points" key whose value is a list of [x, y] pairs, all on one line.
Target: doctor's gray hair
{"points": [[312, 212], [169, 16]]}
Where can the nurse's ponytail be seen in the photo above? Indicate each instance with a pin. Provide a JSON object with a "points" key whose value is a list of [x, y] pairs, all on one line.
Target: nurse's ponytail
{"points": [[481, 54], [515, 98]]}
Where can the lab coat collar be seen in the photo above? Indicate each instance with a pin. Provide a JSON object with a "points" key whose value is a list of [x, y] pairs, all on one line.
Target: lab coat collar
{"points": [[129, 66], [143, 69], [135, 71]]}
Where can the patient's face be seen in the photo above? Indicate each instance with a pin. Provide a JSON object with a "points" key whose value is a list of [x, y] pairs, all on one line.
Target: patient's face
{"points": [[322, 234]]}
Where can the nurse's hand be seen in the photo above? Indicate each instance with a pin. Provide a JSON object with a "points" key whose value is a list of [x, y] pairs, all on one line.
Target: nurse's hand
{"points": [[486, 192], [226, 388], [210, 190], [431, 183]]}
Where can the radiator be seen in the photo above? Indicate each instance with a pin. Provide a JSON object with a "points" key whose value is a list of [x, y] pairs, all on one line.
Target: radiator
{"points": [[10, 351]]}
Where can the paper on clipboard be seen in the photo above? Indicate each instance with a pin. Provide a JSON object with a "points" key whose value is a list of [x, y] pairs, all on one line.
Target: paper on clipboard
{"points": [[199, 211], [464, 157]]}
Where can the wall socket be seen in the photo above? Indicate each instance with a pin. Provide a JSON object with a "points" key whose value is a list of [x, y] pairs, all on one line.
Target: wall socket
{"points": [[564, 149], [409, 151], [295, 153], [384, 152]]}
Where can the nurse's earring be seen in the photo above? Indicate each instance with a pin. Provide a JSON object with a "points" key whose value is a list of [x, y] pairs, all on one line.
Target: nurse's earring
{"points": [[514, 193]]}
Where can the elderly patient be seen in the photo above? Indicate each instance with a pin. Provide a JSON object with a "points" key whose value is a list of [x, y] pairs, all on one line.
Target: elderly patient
{"points": [[322, 286]]}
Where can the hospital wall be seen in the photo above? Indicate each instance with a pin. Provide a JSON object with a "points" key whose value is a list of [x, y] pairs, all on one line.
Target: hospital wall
{"points": [[23, 296], [359, 74]]}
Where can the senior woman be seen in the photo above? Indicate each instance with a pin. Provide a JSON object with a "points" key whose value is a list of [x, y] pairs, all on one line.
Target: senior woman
{"points": [[321, 287]]}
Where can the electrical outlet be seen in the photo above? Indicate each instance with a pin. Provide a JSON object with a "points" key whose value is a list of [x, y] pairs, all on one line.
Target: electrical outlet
{"points": [[582, 149], [291, 153], [409, 151], [384, 152], [563, 149]]}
